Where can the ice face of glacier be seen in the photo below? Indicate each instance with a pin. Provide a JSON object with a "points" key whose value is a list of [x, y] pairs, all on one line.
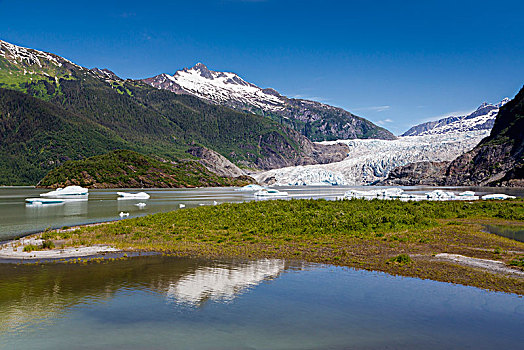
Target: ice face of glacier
{"points": [[371, 160]]}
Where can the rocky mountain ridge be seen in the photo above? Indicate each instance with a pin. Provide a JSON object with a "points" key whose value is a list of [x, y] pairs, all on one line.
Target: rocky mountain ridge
{"points": [[315, 120], [482, 118], [52, 110]]}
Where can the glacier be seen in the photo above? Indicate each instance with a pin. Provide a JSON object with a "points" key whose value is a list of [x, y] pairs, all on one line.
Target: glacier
{"points": [[371, 160]]}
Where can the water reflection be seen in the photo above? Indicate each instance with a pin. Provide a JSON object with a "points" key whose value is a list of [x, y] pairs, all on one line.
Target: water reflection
{"points": [[33, 294], [142, 304], [223, 283], [512, 232]]}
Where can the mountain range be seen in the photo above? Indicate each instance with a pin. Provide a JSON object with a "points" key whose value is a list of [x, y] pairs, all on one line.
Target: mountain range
{"points": [[53, 110], [315, 120], [498, 160], [483, 118]]}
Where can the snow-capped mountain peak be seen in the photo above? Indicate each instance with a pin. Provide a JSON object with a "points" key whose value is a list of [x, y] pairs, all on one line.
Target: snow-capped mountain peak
{"points": [[219, 87], [315, 120]]}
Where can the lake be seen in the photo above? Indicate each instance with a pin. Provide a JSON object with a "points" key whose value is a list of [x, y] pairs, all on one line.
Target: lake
{"points": [[18, 219], [178, 303]]}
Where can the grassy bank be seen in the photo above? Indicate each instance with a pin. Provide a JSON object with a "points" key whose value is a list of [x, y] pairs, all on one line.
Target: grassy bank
{"points": [[392, 236]]}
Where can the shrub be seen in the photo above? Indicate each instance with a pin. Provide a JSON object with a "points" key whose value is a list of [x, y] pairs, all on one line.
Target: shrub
{"points": [[48, 244], [31, 247], [401, 259]]}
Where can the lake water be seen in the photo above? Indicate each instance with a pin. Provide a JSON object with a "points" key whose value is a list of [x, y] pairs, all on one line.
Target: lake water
{"points": [[172, 303], [17, 218]]}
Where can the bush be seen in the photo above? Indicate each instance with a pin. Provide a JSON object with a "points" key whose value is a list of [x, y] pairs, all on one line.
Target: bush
{"points": [[401, 259], [48, 244], [31, 247]]}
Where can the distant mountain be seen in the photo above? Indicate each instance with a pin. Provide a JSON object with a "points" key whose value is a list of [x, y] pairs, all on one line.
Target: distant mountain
{"points": [[498, 160], [482, 118], [315, 120], [52, 110]]}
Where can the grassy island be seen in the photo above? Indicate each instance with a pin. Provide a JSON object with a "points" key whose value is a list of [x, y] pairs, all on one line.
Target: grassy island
{"points": [[401, 238]]}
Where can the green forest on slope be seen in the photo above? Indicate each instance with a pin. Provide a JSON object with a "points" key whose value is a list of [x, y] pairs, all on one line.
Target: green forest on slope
{"points": [[123, 168], [47, 120]]}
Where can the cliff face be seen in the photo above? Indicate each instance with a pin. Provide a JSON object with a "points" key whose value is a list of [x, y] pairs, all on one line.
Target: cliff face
{"points": [[421, 173]]}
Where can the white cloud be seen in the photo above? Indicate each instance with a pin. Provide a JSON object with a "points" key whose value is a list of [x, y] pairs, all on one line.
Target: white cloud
{"points": [[385, 121]]}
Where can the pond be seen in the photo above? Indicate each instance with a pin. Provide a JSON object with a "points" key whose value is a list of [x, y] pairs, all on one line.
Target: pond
{"points": [[161, 302]]}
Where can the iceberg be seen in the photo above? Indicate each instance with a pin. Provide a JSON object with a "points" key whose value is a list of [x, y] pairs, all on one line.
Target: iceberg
{"points": [[129, 195], [40, 201], [67, 192], [250, 188], [499, 196], [270, 193], [398, 193]]}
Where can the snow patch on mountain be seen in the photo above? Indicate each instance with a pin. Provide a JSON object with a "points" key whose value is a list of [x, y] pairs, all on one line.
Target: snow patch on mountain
{"points": [[30, 57], [219, 87], [316, 120], [482, 118], [371, 160]]}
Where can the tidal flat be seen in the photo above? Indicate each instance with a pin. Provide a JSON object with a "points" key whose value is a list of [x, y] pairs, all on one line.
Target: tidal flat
{"points": [[399, 238]]}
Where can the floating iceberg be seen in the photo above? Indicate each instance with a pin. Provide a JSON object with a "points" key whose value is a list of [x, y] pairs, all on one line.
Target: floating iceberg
{"points": [[39, 201], [67, 192], [128, 195], [249, 188], [398, 193], [271, 192], [467, 193], [498, 196]]}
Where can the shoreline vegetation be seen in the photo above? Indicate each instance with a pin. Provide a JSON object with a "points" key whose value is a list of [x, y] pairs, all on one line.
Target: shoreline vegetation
{"points": [[441, 241]]}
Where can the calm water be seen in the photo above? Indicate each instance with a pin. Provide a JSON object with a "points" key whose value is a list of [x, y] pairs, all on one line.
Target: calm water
{"points": [[17, 218], [516, 233], [169, 303]]}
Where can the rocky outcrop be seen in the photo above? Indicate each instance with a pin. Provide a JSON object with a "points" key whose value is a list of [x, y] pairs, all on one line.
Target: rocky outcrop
{"points": [[215, 162], [421, 173]]}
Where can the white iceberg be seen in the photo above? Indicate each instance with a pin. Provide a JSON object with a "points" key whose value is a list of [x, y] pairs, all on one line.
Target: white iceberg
{"points": [[40, 201], [500, 196], [129, 195], [67, 192], [250, 188], [270, 192]]}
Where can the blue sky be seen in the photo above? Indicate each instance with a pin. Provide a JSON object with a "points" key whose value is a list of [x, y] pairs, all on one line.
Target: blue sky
{"points": [[396, 63]]}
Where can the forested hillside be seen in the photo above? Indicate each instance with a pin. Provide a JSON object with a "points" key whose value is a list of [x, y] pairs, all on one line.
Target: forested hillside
{"points": [[60, 111], [124, 168]]}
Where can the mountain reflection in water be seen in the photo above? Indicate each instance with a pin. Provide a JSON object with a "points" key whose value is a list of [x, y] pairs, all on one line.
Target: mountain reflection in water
{"points": [[223, 283], [33, 294]]}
